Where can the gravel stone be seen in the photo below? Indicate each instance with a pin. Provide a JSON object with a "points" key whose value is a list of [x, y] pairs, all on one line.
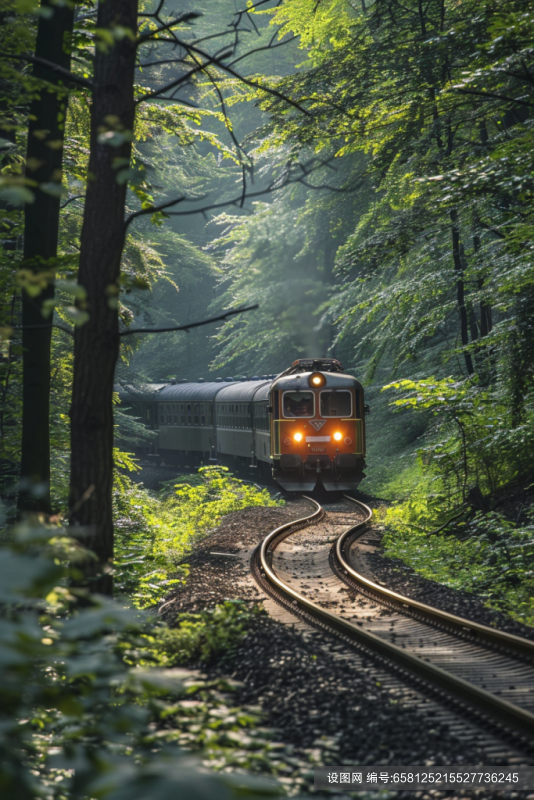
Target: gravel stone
{"points": [[326, 703]]}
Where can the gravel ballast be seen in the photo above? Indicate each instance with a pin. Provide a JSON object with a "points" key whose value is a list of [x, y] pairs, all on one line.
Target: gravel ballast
{"points": [[328, 705]]}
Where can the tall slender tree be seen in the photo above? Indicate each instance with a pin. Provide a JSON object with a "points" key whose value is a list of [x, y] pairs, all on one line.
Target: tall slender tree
{"points": [[96, 344], [41, 225]]}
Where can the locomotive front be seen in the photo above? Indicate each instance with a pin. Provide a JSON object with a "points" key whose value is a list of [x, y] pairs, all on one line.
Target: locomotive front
{"points": [[317, 427]]}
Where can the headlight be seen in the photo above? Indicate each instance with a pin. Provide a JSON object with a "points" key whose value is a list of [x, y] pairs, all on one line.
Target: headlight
{"points": [[338, 436], [316, 380], [297, 437]]}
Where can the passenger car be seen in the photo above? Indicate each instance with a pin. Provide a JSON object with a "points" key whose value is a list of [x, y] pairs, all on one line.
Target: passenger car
{"points": [[304, 427]]}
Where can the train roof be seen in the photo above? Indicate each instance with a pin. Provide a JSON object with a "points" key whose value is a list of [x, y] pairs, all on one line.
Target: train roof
{"points": [[245, 392], [263, 391], [334, 380], [193, 392]]}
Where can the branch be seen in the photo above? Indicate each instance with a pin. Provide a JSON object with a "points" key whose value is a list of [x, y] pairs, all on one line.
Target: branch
{"points": [[44, 325], [492, 230], [236, 201], [306, 169], [167, 27], [259, 49], [65, 73], [152, 210], [224, 316], [70, 200], [246, 81], [173, 84], [438, 530], [492, 96]]}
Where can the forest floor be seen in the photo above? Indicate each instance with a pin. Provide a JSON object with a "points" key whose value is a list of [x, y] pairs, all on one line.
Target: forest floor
{"points": [[327, 704]]}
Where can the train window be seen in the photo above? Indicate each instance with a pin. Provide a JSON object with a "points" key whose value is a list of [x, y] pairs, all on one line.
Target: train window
{"points": [[175, 419], [195, 410], [189, 413], [298, 404], [161, 419], [336, 403]]}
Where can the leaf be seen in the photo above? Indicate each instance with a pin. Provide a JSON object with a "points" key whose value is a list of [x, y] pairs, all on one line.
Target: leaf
{"points": [[77, 316], [73, 288], [16, 195], [53, 189]]}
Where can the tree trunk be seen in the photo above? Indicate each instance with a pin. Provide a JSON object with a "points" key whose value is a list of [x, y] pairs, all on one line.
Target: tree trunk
{"points": [[460, 293], [96, 346], [41, 224], [486, 320]]}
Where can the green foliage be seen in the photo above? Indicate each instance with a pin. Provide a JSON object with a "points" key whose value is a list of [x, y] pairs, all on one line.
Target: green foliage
{"points": [[205, 720], [202, 637], [154, 533], [75, 720], [471, 447], [473, 443], [490, 556]]}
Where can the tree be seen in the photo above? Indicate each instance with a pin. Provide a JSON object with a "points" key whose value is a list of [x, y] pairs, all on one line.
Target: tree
{"points": [[96, 344], [46, 130], [113, 113]]}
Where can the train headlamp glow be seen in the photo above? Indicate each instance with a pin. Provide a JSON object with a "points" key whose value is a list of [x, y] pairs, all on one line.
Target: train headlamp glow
{"points": [[297, 437], [338, 436], [316, 380]]}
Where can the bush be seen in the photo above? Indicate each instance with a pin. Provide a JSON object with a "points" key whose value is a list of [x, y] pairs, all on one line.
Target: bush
{"points": [[75, 720], [155, 532], [202, 637], [489, 555]]}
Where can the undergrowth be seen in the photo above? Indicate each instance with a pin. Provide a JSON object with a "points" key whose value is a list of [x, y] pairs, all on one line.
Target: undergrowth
{"points": [[485, 553], [154, 532], [204, 637], [444, 523]]}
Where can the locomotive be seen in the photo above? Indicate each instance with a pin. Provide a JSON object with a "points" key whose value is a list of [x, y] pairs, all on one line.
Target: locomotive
{"points": [[305, 427]]}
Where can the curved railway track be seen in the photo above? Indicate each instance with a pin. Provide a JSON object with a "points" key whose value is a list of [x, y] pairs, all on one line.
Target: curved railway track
{"points": [[483, 672]]}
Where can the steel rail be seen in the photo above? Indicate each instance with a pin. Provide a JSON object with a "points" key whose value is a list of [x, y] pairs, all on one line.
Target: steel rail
{"points": [[460, 625], [512, 717]]}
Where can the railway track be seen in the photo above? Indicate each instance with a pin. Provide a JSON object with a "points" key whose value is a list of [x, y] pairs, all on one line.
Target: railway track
{"points": [[477, 671]]}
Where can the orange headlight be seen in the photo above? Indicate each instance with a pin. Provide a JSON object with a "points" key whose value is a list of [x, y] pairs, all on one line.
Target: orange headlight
{"points": [[297, 437], [338, 436], [316, 380]]}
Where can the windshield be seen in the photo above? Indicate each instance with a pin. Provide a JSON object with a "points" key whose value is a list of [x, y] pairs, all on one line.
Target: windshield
{"points": [[336, 403], [298, 404]]}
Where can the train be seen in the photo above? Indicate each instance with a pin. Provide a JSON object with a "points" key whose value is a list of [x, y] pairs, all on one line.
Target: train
{"points": [[304, 427]]}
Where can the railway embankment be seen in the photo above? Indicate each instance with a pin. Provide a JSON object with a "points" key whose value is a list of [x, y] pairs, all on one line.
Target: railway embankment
{"points": [[325, 702], [479, 560]]}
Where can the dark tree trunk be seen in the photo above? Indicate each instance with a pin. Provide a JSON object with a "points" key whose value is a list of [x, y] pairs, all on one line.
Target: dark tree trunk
{"points": [[460, 291], [41, 224], [96, 345], [486, 319], [485, 354]]}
